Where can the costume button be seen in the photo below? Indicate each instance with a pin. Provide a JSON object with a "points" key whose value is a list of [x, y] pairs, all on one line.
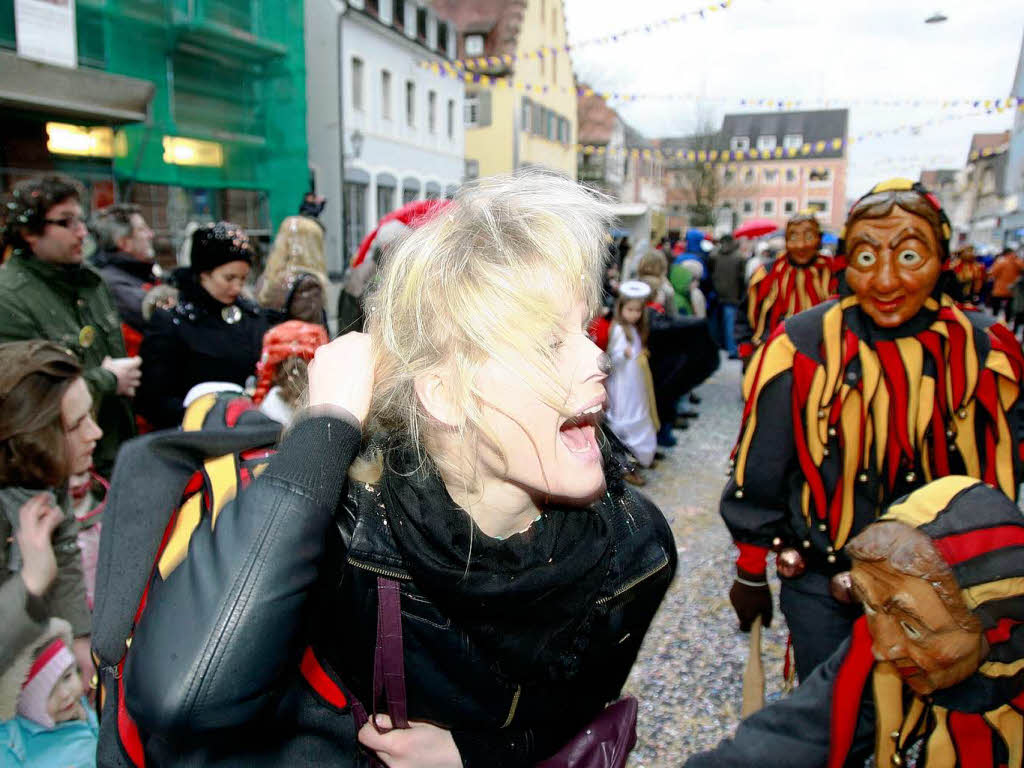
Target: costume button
{"points": [[822, 527], [831, 431], [807, 544], [831, 558], [863, 477], [910, 477], [739, 493], [962, 413], [821, 414]]}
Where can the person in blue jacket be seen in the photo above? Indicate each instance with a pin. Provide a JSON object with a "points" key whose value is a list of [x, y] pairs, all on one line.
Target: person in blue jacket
{"points": [[47, 722]]}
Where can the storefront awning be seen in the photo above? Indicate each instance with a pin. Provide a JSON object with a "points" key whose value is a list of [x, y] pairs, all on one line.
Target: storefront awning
{"points": [[82, 94]]}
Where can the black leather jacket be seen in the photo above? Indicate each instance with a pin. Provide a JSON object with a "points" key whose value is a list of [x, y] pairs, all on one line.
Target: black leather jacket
{"points": [[294, 560]]}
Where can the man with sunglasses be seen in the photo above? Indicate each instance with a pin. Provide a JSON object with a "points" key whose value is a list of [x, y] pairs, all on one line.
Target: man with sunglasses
{"points": [[47, 292]]}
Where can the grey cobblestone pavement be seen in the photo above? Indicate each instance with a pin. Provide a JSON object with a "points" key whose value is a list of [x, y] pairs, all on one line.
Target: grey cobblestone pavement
{"points": [[688, 677]]}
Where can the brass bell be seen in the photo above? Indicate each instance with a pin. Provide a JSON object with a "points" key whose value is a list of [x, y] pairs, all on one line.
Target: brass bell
{"points": [[841, 587], [776, 543], [790, 563]]}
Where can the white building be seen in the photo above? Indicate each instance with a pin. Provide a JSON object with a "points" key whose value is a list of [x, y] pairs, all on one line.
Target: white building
{"points": [[382, 129]]}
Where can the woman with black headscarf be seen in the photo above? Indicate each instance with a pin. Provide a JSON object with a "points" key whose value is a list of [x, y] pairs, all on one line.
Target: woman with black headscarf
{"points": [[213, 334]]}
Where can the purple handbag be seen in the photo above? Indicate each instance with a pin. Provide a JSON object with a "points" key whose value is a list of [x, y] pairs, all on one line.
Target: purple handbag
{"points": [[605, 743]]}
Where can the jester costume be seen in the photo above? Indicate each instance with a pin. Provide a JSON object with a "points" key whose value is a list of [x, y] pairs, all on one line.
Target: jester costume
{"points": [[842, 417], [970, 277], [853, 706], [781, 290]]}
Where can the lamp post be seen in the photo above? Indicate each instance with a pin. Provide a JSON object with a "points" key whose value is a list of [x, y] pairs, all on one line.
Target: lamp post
{"points": [[936, 18]]}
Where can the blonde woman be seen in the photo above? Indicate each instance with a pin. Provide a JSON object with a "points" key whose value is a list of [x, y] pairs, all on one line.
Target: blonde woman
{"points": [[294, 282], [528, 573]]}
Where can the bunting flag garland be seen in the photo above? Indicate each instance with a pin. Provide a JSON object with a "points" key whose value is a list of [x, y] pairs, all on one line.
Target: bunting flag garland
{"points": [[481, 62], [807, 149], [449, 69]]}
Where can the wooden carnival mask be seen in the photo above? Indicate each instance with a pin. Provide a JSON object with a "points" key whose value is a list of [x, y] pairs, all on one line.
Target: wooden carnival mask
{"points": [[915, 612], [894, 263], [803, 239]]}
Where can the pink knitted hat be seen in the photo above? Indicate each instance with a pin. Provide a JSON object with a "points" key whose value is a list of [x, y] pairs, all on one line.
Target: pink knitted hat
{"points": [[46, 670]]}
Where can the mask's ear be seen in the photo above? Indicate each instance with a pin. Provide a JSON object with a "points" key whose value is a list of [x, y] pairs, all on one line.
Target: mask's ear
{"points": [[436, 397]]}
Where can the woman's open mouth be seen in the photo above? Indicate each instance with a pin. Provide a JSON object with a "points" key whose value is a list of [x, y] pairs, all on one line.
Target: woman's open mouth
{"points": [[579, 432]]}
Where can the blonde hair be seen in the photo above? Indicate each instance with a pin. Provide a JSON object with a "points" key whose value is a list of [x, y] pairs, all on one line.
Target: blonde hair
{"points": [[489, 277], [653, 264], [298, 247]]}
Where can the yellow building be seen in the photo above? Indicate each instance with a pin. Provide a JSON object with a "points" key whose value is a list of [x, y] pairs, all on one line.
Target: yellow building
{"points": [[526, 114]]}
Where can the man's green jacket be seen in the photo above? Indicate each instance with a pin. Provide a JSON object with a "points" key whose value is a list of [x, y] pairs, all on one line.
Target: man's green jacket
{"points": [[72, 306]]}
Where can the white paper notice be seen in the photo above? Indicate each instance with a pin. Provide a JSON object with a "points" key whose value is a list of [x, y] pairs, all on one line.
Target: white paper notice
{"points": [[45, 30]]}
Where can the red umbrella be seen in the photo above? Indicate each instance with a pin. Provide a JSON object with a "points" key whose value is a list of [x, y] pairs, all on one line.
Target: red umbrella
{"points": [[755, 228]]}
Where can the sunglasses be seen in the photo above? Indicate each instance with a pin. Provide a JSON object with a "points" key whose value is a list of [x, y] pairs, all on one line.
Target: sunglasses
{"points": [[68, 222]]}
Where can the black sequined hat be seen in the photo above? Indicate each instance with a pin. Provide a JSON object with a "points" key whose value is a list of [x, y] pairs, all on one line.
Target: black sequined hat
{"points": [[216, 244]]}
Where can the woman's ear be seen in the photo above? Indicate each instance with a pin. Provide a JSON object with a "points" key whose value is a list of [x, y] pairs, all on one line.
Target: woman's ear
{"points": [[436, 397]]}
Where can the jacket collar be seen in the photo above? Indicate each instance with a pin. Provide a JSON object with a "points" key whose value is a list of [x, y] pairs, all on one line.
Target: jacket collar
{"points": [[143, 270], [72, 275]]}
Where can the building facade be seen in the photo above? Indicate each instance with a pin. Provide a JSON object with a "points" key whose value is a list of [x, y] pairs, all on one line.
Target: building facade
{"points": [[601, 162], [383, 129], [529, 118], [195, 110], [799, 165], [1013, 223], [983, 194]]}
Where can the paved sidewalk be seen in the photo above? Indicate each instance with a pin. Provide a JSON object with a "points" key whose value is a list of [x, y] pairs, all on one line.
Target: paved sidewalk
{"points": [[688, 677]]}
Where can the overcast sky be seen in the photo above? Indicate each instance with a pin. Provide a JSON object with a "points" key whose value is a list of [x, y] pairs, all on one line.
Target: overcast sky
{"points": [[813, 49]]}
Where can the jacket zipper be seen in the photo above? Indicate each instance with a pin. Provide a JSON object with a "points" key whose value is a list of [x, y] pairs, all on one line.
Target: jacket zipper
{"points": [[391, 574], [642, 577]]}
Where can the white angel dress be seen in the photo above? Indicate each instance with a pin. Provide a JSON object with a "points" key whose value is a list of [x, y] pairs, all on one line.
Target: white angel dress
{"points": [[629, 415]]}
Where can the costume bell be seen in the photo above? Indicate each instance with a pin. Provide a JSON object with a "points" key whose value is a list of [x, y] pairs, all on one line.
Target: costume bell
{"points": [[858, 401], [800, 278]]}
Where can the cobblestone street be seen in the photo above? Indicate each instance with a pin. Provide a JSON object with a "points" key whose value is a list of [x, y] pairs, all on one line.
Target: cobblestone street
{"points": [[688, 678]]}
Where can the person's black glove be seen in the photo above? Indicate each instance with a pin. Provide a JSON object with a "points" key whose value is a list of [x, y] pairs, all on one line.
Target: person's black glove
{"points": [[751, 597]]}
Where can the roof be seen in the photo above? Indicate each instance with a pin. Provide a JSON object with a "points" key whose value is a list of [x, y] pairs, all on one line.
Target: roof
{"points": [[812, 125], [498, 20], [935, 177], [596, 120], [993, 142]]}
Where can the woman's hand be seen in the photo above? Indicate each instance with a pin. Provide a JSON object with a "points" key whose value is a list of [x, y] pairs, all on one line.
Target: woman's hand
{"points": [[37, 520], [421, 745], [341, 375]]}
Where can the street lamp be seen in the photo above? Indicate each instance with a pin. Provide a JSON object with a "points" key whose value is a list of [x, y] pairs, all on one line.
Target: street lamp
{"points": [[936, 18]]}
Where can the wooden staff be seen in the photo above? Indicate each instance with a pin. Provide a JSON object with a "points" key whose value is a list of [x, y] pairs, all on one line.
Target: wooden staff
{"points": [[753, 675]]}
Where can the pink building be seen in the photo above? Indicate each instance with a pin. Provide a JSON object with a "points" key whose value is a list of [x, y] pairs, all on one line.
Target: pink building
{"points": [[779, 188]]}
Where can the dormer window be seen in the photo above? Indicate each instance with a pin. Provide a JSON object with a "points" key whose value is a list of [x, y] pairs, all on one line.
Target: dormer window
{"points": [[739, 143], [766, 143], [474, 45]]}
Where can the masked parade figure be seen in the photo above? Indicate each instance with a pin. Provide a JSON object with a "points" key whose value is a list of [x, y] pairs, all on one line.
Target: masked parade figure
{"points": [[970, 275], [857, 402], [800, 278], [937, 659]]}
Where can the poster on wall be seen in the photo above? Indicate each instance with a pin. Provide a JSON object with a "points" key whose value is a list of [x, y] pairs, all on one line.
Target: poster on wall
{"points": [[45, 30]]}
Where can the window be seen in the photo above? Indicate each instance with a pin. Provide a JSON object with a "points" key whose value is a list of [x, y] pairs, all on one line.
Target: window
{"points": [[525, 111], [748, 206], [385, 94], [409, 194], [768, 207], [554, 20], [471, 109], [792, 175], [765, 143], [432, 111], [450, 123], [398, 13], [410, 103], [472, 169], [988, 182], [474, 45], [748, 176], [820, 176], [771, 177], [729, 175], [792, 141], [551, 125], [789, 207], [421, 24], [355, 216], [818, 206], [357, 83], [739, 143], [385, 200], [442, 37], [554, 67], [542, 11]]}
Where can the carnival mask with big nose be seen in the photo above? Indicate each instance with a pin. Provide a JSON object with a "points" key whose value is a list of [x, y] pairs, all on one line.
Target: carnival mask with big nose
{"points": [[920, 625], [803, 239], [893, 265]]}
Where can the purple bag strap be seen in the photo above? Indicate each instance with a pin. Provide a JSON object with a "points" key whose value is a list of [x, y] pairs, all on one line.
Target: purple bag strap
{"points": [[389, 656]]}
